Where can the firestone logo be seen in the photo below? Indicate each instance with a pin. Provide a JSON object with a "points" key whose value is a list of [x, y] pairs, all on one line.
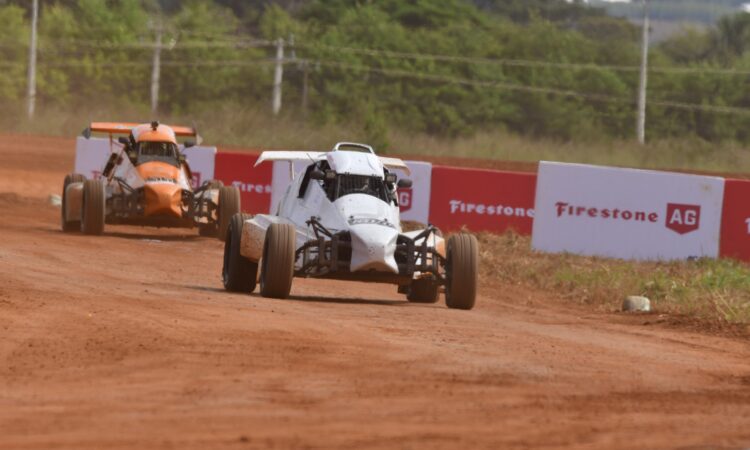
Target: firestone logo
{"points": [[680, 218], [683, 219], [252, 187], [405, 196]]}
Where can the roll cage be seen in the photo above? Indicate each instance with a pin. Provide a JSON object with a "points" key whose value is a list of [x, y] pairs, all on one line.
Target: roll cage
{"points": [[339, 185]]}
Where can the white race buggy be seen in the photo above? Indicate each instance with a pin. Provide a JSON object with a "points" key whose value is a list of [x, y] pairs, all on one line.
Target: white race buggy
{"points": [[339, 219]]}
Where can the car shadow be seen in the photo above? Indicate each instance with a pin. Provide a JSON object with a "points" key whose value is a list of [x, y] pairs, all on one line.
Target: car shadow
{"points": [[204, 288], [342, 300], [132, 236], [154, 237], [303, 298]]}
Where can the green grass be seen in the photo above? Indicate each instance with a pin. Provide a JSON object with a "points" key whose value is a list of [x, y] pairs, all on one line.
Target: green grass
{"points": [[251, 127], [712, 290]]}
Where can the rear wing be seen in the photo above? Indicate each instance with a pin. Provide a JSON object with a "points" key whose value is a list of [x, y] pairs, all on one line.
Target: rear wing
{"points": [[300, 155], [289, 156], [127, 128]]}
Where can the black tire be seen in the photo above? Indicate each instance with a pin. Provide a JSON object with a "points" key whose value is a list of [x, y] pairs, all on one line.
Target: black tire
{"points": [[239, 274], [229, 205], [73, 225], [277, 265], [462, 264], [423, 290], [94, 206]]}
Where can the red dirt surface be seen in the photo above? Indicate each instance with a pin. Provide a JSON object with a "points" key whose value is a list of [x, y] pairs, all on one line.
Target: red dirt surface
{"points": [[128, 341]]}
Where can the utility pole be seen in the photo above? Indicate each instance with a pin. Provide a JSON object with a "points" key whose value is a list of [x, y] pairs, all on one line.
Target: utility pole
{"points": [[32, 59], [641, 125], [305, 88], [156, 70], [278, 76]]}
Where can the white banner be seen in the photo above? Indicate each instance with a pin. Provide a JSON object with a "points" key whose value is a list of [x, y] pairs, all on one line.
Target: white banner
{"points": [[414, 201], [92, 154], [626, 213]]}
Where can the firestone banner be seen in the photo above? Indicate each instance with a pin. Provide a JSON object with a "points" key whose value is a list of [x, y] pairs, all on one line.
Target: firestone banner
{"points": [[626, 213], [254, 183], [482, 200], [735, 224]]}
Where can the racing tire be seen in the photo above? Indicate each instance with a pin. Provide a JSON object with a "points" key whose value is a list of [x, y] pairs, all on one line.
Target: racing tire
{"points": [[94, 206], [423, 290], [277, 265], [73, 225], [229, 205], [462, 264], [239, 274]]}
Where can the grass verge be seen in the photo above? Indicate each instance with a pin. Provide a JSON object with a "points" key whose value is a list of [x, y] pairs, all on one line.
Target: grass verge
{"points": [[230, 124], [715, 291]]}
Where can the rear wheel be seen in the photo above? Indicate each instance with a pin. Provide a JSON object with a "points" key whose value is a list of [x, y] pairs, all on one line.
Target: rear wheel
{"points": [[423, 290], [462, 263], [70, 225], [277, 265], [229, 205], [239, 273], [94, 205]]}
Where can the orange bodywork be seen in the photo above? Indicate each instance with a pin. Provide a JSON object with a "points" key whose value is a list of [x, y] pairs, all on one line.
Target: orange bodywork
{"points": [[160, 134], [162, 197]]}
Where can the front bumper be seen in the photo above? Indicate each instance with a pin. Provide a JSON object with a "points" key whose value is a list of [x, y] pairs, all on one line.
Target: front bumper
{"points": [[330, 255]]}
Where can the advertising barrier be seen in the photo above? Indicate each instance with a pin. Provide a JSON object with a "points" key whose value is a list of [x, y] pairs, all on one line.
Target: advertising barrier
{"points": [[735, 222], [414, 202], [482, 200], [589, 210], [626, 213], [92, 154], [254, 183]]}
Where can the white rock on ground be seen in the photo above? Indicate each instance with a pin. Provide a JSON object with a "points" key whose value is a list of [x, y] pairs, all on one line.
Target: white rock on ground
{"points": [[55, 200], [636, 303]]}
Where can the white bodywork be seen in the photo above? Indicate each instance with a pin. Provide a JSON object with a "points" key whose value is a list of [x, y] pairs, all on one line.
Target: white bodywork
{"points": [[373, 222]]}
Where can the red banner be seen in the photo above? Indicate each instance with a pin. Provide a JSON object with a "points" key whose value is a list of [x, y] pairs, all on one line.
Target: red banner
{"points": [[735, 221], [482, 200], [254, 183]]}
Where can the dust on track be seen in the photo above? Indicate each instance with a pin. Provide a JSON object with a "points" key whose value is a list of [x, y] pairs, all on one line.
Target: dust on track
{"points": [[128, 341]]}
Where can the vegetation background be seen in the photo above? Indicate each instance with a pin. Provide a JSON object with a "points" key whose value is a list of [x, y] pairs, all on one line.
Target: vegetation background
{"points": [[510, 79]]}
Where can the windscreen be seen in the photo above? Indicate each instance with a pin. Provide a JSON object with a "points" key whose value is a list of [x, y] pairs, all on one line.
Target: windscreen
{"points": [[158, 151], [358, 184]]}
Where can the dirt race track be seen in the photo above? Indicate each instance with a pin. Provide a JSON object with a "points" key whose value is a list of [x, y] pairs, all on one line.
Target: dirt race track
{"points": [[128, 341]]}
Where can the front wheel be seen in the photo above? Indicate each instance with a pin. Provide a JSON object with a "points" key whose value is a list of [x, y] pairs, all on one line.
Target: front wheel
{"points": [[94, 206], [277, 265], [70, 225], [238, 273], [462, 264], [229, 205]]}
